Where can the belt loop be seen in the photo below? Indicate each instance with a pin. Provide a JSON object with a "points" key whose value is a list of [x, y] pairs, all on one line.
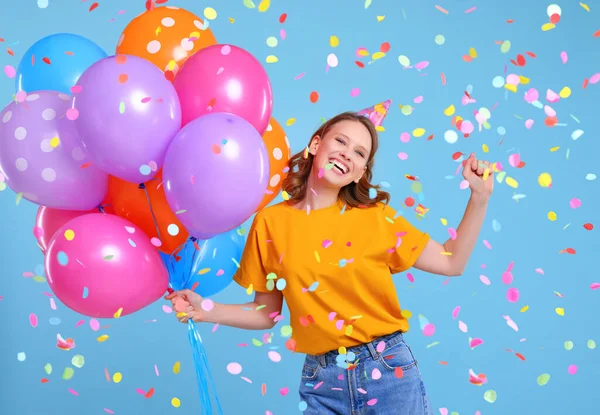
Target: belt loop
{"points": [[373, 351], [322, 360]]}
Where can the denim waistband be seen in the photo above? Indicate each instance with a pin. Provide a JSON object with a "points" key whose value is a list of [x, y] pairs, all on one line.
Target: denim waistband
{"points": [[361, 350]]}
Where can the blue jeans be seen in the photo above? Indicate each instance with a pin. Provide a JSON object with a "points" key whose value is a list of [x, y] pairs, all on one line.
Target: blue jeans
{"points": [[387, 383]]}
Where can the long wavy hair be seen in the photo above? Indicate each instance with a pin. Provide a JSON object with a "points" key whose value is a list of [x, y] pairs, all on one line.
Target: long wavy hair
{"points": [[353, 194]]}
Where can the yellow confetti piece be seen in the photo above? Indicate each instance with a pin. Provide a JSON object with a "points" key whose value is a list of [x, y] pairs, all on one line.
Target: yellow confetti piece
{"points": [[510, 87], [102, 338], [363, 53], [318, 257], [290, 122], [380, 18], [69, 234], [181, 314], [379, 128], [485, 148], [118, 313], [204, 271], [444, 221], [157, 31], [171, 65], [334, 41], [285, 195], [231, 20], [524, 309], [548, 26], [342, 350], [249, 4], [560, 311], [264, 5], [553, 149], [54, 142], [406, 313], [544, 179], [176, 402], [446, 253], [523, 80], [450, 110], [512, 182], [418, 132], [210, 13], [377, 55], [565, 92], [177, 368], [250, 289], [472, 53], [272, 59], [486, 173], [585, 6], [349, 330], [117, 377], [552, 216]]}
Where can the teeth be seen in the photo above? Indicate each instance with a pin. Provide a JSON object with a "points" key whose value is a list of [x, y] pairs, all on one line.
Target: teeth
{"points": [[339, 165]]}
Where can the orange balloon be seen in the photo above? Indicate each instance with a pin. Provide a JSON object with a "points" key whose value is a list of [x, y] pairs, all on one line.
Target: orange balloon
{"points": [[279, 150], [166, 36], [130, 202]]}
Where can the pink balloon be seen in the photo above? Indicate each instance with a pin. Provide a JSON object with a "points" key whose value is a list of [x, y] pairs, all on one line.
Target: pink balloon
{"points": [[98, 263], [49, 220], [225, 78]]}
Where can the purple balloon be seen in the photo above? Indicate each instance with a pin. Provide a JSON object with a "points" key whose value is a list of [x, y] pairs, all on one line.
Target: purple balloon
{"points": [[215, 174], [41, 155], [128, 114]]}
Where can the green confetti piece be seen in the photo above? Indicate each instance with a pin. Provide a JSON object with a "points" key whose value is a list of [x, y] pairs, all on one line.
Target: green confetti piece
{"points": [[286, 331], [271, 276], [591, 344], [38, 278], [490, 396], [78, 361], [260, 307], [179, 212], [329, 166], [18, 199], [68, 373], [121, 107], [543, 379], [48, 368], [272, 41], [108, 257], [368, 3], [257, 342], [568, 345], [270, 285], [432, 344], [249, 4], [505, 47]]}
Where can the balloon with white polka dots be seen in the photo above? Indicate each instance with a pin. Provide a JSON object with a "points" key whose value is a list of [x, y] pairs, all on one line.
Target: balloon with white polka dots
{"points": [[41, 157]]}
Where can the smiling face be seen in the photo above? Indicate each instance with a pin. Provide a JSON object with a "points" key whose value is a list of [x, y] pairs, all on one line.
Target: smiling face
{"points": [[343, 153]]}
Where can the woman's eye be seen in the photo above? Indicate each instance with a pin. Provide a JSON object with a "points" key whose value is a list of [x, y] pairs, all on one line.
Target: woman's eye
{"points": [[340, 140], [360, 153]]}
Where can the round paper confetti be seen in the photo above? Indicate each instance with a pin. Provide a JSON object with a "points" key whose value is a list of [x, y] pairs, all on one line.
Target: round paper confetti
{"points": [[234, 368]]}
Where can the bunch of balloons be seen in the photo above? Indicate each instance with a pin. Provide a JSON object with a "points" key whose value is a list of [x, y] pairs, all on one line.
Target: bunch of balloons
{"points": [[157, 152]]}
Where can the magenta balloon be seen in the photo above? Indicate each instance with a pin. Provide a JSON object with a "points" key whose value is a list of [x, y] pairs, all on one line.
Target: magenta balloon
{"points": [[128, 115], [41, 155], [215, 174], [225, 78], [98, 263]]}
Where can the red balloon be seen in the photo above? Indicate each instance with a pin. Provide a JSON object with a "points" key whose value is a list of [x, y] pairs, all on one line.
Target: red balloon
{"points": [[49, 220]]}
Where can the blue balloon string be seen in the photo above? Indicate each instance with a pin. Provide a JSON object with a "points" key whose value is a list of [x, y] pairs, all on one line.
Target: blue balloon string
{"points": [[179, 279]]}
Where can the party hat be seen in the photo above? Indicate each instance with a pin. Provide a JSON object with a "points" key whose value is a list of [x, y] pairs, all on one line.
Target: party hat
{"points": [[377, 112]]}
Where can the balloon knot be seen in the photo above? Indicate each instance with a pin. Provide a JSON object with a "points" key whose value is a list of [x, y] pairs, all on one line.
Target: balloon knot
{"points": [[141, 186]]}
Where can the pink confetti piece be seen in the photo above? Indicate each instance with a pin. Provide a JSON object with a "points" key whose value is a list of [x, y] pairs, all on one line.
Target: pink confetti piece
{"points": [[33, 320], [540, 271], [529, 124], [475, 342], [326, 243], [575, 203], [47, 294], [471, 10], [511, 323], [332, 315], [299, 76], [146, 99], [215, 327], [418, 100], [410, 277], [10, 71], [372, 402], [167, 309], [595, 285], [284, 391], [354, 92], [455, 312], [140, 391], [572, 369], [79, 323], [246, 379], [462, 326], [376, 374], [595, 78], [339, 324], [428, 330], [512, 295], [220, 272], [73, 391], [94, 324], [28, 274], [564, 57], [21, 96], [485, 280], [402, 155], [380, 347], [109, 411], [156, 370], [318, 385], [72, 114], [487, 244], [452, 233], [52, 304], [422, 65]]}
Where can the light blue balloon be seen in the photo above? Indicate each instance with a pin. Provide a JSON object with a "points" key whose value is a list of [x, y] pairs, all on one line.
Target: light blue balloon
{"points": [[217, 261], [69, 56]]}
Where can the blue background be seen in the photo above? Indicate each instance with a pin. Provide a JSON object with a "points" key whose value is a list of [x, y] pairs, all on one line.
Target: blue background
{"points": [[152, 337]]}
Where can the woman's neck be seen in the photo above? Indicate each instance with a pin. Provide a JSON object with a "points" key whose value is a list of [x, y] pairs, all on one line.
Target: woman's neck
{"points": [[318, 195]]}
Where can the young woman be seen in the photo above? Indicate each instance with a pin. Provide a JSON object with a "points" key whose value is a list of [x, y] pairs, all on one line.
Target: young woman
{"points": [[330, 251]]}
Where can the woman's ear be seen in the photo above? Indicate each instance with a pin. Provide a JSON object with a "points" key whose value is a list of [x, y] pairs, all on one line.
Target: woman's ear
{"points": [[314, 145]]}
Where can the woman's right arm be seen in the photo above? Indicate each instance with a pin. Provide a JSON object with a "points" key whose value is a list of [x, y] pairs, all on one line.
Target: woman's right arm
{"points": [[256, 315]]}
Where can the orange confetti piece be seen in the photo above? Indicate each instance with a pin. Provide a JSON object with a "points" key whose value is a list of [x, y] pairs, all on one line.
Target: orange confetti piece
{"points": [[86, 165], [282, 18], [430, 137], [216, 149], [169, 76], [44, 380], [32, 60], [195, 285], [69, 53], [443, 76], [121, 59], [263, 389], [520, 356], [359, 64], [161, 1], [597, 33], [442, 362], [106, 374], [521, 60], [46, 60], [533, 55], [440, 8], [551, 121], [385, 47], [467, 58], [510, 21], [585, 83], [399, 372], [149, 393], [588, 226], [123, 78], [570, 251], [94, 6], [10, 52], [314, 96]]}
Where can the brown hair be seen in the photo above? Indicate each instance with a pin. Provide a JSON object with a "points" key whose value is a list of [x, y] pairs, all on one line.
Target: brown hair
{"points": [[353, 194]]}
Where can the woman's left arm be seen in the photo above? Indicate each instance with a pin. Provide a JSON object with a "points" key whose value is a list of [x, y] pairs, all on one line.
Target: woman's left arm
{"points": [[451, 258]]}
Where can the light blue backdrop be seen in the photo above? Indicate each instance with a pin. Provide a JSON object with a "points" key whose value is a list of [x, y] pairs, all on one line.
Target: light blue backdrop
{"points": [[523, 232]]}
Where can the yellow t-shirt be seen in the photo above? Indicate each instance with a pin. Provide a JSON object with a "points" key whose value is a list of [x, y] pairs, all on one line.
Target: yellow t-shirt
{"points": [[337, 265]]}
